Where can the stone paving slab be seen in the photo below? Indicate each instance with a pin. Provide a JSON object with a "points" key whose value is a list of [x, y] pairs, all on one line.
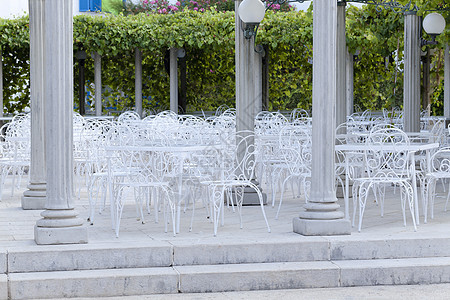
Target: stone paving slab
{"points": [[89, 257], [395, 271], [93, 283], [389, 247], [250, 252], [269, 276], [17, 225], [386, 292], [3, 286]]}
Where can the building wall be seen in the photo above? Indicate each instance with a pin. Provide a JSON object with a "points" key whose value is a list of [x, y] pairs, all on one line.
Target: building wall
{"points": [[17, 8]]}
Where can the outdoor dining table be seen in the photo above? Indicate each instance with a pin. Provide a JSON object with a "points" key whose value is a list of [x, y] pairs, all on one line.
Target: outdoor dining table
{"points": [[182, 152], [411, 148]]}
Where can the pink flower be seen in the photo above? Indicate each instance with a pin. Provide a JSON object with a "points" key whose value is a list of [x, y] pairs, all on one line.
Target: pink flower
{"points": [[159, 11], [175, 8], [195, 8], [145, 1], [178, 3], [164, 10], [202, 9]]}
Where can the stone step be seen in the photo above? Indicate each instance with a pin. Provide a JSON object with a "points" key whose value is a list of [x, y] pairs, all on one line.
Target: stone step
{"points": [[185, 253], [229, 277]]}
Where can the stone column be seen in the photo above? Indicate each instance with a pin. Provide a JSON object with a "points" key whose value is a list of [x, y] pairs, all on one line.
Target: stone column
{"points": [[138, 81], [257, 75], [265, 78], [1, 82], [426, 61], [341, 61], [411, 82], [349, 75], [321, 215], [447, 82], [35, 196], [247, 103], [245, 91], [98, 83], [60, 224], [174, 80]]}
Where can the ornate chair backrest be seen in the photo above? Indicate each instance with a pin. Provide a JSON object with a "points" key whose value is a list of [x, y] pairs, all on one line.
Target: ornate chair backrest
{"points": [[296, 148], [386, 153], [440, 161]]}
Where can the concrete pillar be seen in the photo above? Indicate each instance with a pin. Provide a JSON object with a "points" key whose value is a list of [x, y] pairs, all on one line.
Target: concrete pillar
{"points": [[35, 196], [321, 215], [60, 224], [341, 62], [447, 82], [174, 80], [247, 102], [411, 82], [258, 83], [138, 81], [349, 75], [426, 62], [1, 82], [245, 91], [265, 78], [98, 83]]}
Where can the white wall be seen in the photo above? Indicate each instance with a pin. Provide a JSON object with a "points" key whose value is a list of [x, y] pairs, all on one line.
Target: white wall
{"points": [[10, 9], [17, 8]]}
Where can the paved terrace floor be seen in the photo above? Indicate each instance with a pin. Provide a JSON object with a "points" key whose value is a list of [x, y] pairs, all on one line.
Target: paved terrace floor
{"points": [[17, 225]]}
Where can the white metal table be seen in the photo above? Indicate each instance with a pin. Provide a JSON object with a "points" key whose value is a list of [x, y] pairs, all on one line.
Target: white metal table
{"points": [[181, 151]]}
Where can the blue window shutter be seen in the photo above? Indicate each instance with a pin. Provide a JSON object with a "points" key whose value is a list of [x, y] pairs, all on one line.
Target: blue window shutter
{"points": [[84, 5], [95, 5]]}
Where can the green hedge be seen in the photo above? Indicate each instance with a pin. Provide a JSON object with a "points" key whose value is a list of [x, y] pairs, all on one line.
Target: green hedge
{"points": [[208, 39]]}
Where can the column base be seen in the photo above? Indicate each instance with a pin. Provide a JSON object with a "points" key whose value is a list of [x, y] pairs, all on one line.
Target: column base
{"points": [[61, 235], [35, 197], [60, 226], [321, 227]]}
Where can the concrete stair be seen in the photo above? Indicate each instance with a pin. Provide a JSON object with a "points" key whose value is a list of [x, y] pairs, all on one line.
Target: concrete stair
{"points": [[159, 267]]}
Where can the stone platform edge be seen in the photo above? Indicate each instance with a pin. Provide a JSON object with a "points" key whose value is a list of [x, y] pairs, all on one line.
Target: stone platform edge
{"points": [[180, 253]]}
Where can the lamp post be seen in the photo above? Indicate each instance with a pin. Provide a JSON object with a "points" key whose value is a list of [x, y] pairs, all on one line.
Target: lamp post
{"points": [[433, 24], [249, 13]]}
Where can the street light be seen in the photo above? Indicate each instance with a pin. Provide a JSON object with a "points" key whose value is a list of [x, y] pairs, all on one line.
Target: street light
{"points": [[251, 13], [433, 24]]}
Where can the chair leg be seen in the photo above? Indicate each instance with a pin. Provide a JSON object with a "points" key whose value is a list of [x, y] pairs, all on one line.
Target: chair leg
{"points": [[446, 202], [283, 185], [355, 201], [409, 193], [363, 194], [431, 200]]}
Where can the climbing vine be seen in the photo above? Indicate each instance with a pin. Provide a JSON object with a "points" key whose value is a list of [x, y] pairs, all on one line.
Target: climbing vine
{"points": [[208, 39]]}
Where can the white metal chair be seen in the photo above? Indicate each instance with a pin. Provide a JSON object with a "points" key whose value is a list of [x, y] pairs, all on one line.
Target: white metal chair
{"points": [[386, 162], [231, 178], [439, 169]]}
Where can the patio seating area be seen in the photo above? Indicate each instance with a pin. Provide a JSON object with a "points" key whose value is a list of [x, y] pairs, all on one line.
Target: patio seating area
{"points": [[133, 264], [167, 164], [175, 194]]}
